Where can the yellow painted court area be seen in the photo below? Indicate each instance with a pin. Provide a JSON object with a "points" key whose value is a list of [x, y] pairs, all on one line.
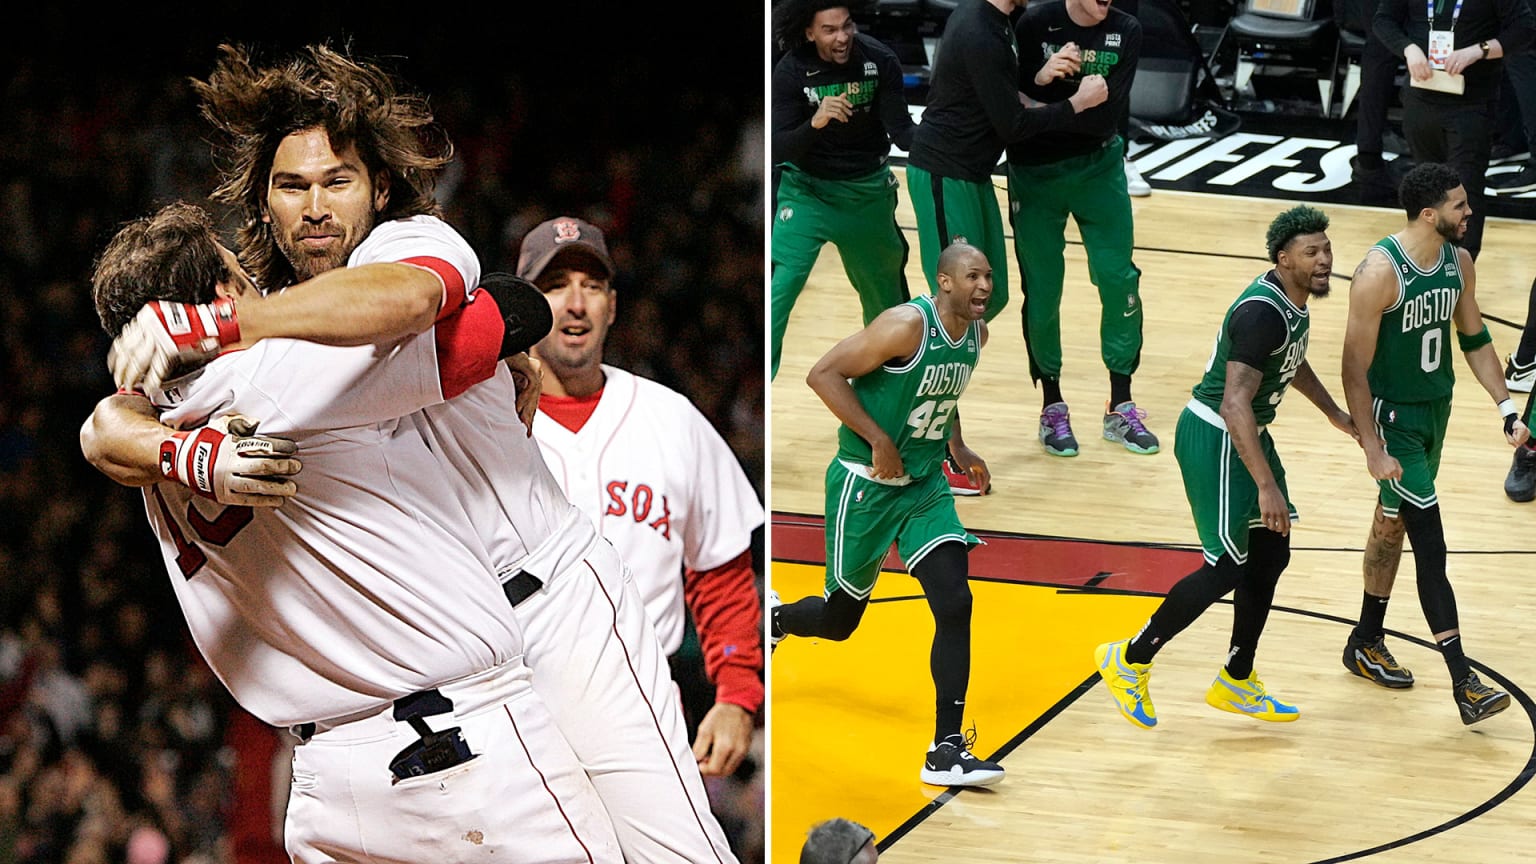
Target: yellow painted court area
{"points": [[851, 720]]}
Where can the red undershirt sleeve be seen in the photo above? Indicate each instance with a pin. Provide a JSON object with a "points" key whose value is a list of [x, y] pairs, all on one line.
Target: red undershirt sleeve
{"points": [[728, 616]]}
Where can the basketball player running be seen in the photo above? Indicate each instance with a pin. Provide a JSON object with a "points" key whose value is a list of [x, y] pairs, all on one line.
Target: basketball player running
{"points": [[1409, 290], [1233, 476], [323, 208], [421, 720], [656, 478], [894, 385]]}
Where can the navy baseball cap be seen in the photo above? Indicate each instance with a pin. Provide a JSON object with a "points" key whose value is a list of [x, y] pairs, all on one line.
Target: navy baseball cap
{"points": [[562, 234]]}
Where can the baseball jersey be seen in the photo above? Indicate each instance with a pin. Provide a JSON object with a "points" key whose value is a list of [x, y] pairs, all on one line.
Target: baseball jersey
{"points": [[1413, 357], [368, 586], [661, 485], [500, 477], [914, 399], [1278, 368]]}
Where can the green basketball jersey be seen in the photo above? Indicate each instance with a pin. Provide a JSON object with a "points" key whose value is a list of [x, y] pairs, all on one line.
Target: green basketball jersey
{"points": [[1281, 365], [914, 400], [1413, 357]]}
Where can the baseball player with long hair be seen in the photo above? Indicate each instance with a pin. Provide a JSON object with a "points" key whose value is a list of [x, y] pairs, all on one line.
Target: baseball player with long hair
{"points": [[364, 613], [317, 152]]}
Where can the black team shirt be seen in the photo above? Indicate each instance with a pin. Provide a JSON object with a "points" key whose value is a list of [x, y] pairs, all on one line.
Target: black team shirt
{"points": [[1112, 49], [872, 81], [973, 108]]}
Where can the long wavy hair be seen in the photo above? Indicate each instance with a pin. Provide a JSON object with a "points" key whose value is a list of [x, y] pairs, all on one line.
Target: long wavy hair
{"points": [[253, 108]]}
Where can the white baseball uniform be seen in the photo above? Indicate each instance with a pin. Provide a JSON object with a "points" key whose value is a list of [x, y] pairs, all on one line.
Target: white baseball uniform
{"points": [[596, 660], [368, 587], [660, 483]]}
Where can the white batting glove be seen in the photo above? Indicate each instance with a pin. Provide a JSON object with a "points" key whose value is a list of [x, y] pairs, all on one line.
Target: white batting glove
{"points": [[165, 335], [229, 463]]}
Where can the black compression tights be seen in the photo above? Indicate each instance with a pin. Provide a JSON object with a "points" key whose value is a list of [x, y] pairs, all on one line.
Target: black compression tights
{"points": [[1254, 587], [1426, 534], [942, 573]]}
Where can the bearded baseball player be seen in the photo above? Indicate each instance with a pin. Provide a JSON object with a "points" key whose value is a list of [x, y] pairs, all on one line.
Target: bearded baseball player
{"points": [[657, 479], [356, 614], [364, 265]]}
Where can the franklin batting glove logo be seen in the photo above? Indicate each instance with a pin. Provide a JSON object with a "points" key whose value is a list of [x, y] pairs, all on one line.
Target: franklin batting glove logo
{"points": [[202, 466]]}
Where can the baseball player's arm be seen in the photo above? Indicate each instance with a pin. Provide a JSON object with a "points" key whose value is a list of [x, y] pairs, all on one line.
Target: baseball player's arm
{"points": [[896, 333], [1482, 357], [125, 440], [1372, 290], [122, 439], [364, 305], [727, 613]]}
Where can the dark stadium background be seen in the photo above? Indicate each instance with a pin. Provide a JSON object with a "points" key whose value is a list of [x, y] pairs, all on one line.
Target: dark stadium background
{"points": [[116, 743]]}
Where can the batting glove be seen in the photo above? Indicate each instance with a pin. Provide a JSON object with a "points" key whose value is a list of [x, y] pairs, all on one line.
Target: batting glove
{"points": [[167, 335], [229, 463]]}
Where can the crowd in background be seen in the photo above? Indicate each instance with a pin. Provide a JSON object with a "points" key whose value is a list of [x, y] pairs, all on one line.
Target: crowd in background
{"points": [[116, 742]]}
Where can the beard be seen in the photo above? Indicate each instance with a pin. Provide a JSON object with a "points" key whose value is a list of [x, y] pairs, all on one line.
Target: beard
{"points": [[308, 263], [1451, 231]]}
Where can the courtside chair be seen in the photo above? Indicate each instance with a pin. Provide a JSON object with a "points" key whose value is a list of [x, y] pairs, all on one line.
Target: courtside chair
{"points": [[1275, 37]]}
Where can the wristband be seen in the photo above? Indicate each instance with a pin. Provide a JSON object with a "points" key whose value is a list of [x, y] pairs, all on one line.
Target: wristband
{"points": [[1510, 415], [205, 328], [1475, 341]]}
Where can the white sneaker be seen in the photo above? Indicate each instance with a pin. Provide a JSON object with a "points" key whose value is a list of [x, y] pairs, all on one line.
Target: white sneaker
{"points": [[773, 603], [1517, 377], [1134, 182]]}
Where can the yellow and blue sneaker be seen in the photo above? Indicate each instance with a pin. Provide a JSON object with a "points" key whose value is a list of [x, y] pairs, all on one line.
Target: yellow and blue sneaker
{"points": [[1127, 683], [1249, 698]]}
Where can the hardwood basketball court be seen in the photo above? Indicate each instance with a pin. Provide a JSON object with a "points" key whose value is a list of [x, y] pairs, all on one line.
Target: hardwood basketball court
{"points": [[1079, 551]]}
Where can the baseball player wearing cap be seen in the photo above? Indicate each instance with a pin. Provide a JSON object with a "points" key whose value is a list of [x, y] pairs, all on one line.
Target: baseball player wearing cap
{"points": [[357, 613], [656, 477]]}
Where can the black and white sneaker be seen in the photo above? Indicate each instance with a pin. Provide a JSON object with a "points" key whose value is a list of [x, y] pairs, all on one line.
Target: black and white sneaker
{"points": [[1519, 377], [775, 635], [951, 763], [1512, 182]]}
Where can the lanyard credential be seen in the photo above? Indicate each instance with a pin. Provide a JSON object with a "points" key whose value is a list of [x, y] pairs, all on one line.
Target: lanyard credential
{"points": [[1441, 42], [1429, 12]]}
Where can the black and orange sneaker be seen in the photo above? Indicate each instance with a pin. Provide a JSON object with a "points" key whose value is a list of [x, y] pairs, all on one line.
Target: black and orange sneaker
{"points": [[1373, 662]]}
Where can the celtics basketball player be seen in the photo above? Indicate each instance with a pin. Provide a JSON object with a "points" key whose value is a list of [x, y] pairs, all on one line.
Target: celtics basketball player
{"points": [[1233, 476], [1406, 294], [895, 385]]}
